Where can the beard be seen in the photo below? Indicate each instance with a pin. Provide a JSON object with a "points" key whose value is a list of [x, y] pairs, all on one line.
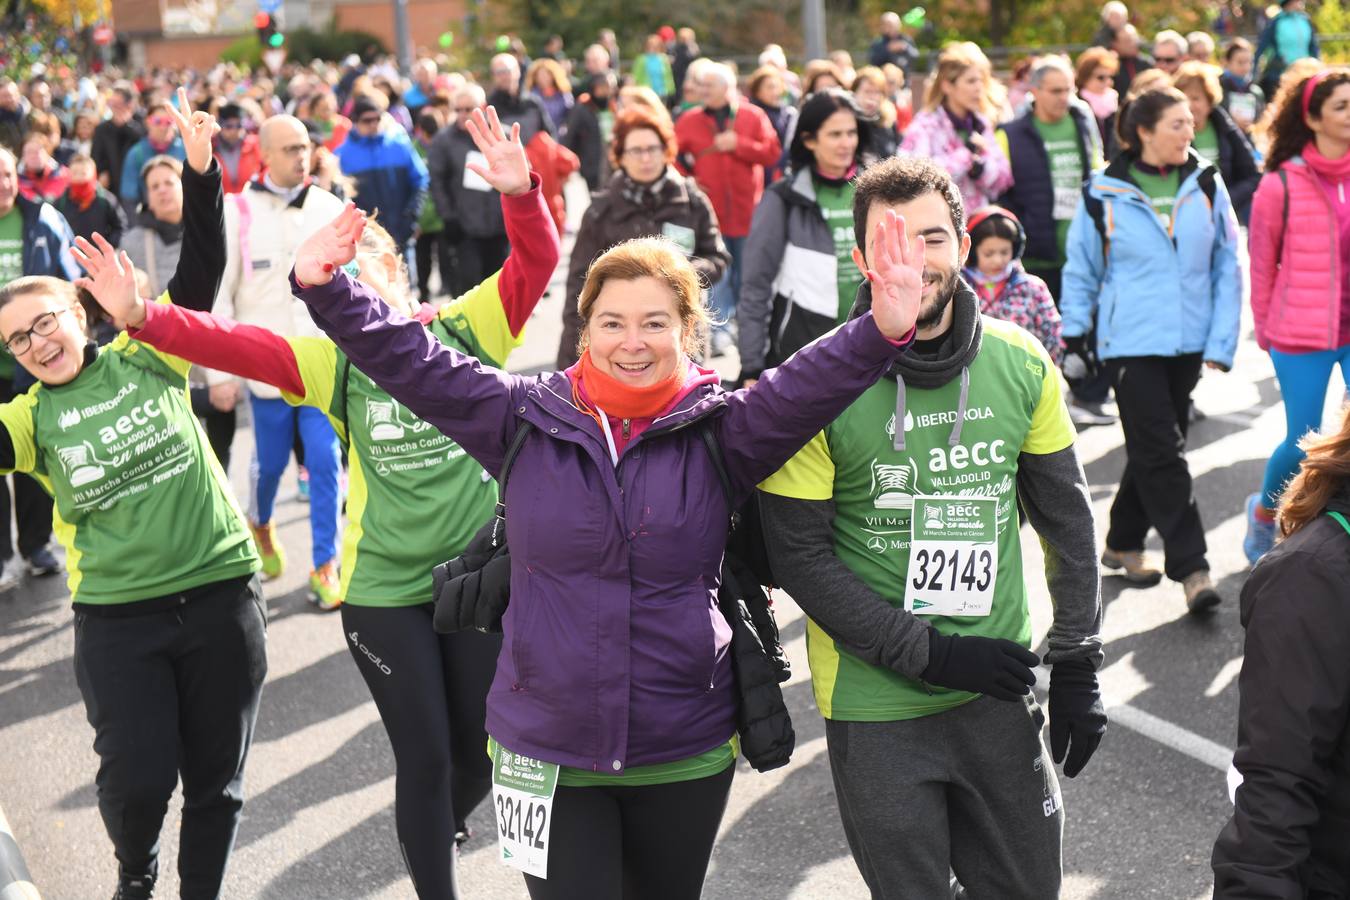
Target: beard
{"points": [[930, 313]]}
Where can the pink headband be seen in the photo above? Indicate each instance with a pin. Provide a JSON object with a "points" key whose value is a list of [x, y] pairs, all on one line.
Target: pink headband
{"points": [[1311, 86]]}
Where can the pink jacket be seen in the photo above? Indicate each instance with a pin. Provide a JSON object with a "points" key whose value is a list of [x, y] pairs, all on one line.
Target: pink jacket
{"points": [[1296, 272], [933, 135]]}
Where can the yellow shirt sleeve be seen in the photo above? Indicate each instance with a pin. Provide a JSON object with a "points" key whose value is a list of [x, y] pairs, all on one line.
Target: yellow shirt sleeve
{"points": [[480, 312], [318, 361], [809, 475], [16, 417], [124, 344], [1051, 428]]}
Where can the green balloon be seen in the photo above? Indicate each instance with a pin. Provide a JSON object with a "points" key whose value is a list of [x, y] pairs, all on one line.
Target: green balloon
{"points": [[503, 43], [914, 18], [447, 39]]}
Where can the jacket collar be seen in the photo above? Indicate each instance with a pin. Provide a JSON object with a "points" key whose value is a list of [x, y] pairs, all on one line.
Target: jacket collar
{"points": [[549, 401], [1118, 174]]}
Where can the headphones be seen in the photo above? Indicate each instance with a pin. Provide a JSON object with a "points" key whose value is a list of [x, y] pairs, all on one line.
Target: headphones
{"points": [[980, 216]]}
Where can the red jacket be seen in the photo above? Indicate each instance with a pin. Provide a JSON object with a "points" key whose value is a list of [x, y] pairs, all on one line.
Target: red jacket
{"points": [[250, 164], [554, 163], [733, 181]]}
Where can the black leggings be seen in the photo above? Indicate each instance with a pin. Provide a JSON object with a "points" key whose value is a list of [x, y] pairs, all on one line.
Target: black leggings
{"points": [[431, 691], [633, 843]]}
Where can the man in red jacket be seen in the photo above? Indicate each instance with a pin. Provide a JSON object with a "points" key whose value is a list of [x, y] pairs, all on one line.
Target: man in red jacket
{"points": [[725, 144]]}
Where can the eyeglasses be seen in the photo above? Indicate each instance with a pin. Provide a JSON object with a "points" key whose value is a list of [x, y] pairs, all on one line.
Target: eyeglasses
{"points": [[159, 121], [231, 124], [644, 152], [296, 149], [1166, 60], [46, 323]]}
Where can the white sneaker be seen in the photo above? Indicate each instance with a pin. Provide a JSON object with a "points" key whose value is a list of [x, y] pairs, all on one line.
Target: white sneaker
{"points": [[11, 573]]}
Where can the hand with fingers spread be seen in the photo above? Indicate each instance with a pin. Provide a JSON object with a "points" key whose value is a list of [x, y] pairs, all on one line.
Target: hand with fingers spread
{"points": [[197, 129], [896, 276], [111, 280], [331, 246], [508, 170]]}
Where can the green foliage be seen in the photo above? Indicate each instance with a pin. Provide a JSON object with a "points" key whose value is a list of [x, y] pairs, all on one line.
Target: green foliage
{"points": [[1332, 17], [306, 44], [244, 51]]}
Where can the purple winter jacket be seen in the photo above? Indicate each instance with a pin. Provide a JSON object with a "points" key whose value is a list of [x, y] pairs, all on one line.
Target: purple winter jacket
{"points": [[615, 653]]}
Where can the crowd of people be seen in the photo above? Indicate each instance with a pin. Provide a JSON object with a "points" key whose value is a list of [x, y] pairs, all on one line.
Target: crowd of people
{"points": [[929, 292]]}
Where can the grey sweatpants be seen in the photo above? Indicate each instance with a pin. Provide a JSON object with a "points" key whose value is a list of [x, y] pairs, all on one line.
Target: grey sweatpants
{"points": [[971, 790]]}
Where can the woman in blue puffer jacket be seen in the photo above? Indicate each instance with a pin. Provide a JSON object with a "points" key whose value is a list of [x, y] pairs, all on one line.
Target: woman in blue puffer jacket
{"points": [[1152, 268]]}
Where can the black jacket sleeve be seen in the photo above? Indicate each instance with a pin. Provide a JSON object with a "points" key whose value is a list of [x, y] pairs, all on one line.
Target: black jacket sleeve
{"points": [[1293, 708], [800, 538], [201, 263]]}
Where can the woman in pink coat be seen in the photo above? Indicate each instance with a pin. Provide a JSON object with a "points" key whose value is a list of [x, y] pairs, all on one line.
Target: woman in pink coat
{"points": [[1301, 276], [956, 127]]}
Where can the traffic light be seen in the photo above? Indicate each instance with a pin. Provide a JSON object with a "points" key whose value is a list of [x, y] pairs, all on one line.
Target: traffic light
{"points": [[268, 35]]}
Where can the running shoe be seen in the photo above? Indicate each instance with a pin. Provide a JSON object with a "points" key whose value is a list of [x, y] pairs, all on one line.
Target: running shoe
{"points": [[11, 574], [324, 587], [1086, 414], [1260, 533], [1134, 566], [42, 562], [269, 548], [135, 887], [302, 483], [1200, 594]]}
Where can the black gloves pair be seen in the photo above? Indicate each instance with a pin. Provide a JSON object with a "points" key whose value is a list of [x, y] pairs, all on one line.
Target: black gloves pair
{"points": [[1080, 358], [473, 589], [1003, 670]]}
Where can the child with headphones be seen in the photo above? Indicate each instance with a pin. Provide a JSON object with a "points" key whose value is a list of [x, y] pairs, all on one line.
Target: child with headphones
{"points": [[1005, 289]]}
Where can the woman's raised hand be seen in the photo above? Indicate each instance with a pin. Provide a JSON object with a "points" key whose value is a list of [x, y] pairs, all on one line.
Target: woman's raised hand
{"points": [[896, 276], [197, 129], [331, 246], [508, 171], [111, 280]]}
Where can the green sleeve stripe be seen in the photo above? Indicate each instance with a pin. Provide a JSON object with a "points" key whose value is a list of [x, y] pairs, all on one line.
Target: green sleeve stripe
{"points": [[809, 475], [480, 312], [16, 417], [318, 361]]}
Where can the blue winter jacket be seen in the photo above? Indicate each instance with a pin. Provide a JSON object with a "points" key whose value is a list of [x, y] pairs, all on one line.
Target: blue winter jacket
{"points": [[1148, 292], [390, 177]]}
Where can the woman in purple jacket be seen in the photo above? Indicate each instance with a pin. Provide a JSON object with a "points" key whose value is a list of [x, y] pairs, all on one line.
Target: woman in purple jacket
{"points": [[614, 672]]}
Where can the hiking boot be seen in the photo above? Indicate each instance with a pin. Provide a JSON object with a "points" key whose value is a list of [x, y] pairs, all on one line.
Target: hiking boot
{"points": [[325, 587], [1134, 564], [1200, 594], [273, 557], [134, 887], [42, 562], [1260, 532]]}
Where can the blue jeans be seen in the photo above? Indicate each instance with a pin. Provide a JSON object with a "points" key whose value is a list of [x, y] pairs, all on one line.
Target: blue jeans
{"points": [[727, 291], [274, 426], [1303, 381]]}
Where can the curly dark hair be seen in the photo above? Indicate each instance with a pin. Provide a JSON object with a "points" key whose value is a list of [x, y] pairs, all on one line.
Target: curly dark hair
{"points": [[1286, 128], [901, 179]]}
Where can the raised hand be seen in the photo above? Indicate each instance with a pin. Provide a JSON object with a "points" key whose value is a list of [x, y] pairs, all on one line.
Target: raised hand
{"points": [[197, 129], [111, 280], [896, 276], [508, 170], [331, 246]]}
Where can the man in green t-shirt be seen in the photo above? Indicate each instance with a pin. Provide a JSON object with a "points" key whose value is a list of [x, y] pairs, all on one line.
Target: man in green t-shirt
{"points": [[896, 531]]}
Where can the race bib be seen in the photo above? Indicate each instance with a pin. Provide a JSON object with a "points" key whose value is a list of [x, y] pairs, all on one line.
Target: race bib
{"points": [[681, 236], [522, 792], [953, 556], [1242, 107], [472, 180], [1066, 203]]}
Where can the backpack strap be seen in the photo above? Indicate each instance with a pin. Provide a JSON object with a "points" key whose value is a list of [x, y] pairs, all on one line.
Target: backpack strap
{"points": [[1096, 209], [705, 431], [508, 460], [1339, 518], [1284, 215], [245, 225]]}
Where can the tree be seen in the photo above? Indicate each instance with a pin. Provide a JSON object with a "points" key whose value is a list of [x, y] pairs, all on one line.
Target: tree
{"points": [[72, 13]]}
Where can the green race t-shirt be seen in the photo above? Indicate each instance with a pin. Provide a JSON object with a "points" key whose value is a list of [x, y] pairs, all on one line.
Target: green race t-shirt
{"points": [[1066, 175], [11, 267], [414, 496], [836, 205], [1161, 191], [142, 507], [1014, 406], [1206, 143]]}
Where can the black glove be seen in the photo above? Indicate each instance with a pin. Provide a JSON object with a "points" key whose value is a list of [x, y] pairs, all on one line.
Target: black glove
{"points": [[993, 666], [473, 589], [1080, 359], [1077, 718]]}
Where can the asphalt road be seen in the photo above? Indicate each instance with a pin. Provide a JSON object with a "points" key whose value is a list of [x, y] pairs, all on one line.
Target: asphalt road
{"points": [[319, 820]]}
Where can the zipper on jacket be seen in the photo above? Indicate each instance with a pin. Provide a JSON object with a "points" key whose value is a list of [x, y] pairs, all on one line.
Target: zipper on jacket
{"points": [[627, 425]]}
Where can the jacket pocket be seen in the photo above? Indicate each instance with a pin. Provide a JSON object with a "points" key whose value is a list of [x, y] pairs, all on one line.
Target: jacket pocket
{"points": [[705, 639], [519, 629]]}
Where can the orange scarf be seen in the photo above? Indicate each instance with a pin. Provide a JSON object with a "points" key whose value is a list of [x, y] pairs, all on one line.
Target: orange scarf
{"points": [[622, 400]]}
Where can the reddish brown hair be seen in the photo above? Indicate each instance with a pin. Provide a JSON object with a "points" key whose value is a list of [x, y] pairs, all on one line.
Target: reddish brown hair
{"points": [[636, 118], [1325, 470], [649, 258]]}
